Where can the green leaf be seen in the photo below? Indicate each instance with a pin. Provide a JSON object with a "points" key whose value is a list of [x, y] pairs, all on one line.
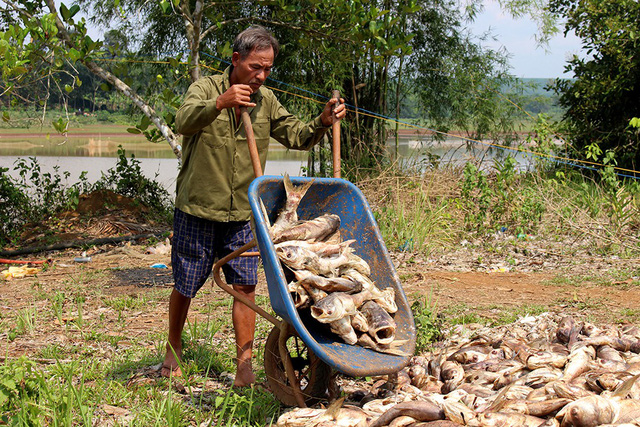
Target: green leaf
{"points": [[74, 55], [74, 9], [635, 122], [68, 88], [105, 87], [78, 81], [165, 5], [64, 12], [144, 123], [134, 131], [5, 116]]}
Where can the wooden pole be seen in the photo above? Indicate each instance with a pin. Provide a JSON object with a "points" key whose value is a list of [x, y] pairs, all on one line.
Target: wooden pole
{"points": [[335, 127], [251, 140]]}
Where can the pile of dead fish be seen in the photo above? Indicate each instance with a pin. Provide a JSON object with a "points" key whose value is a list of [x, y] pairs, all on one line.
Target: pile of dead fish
{"points": [[330, 279], [549, 370]]}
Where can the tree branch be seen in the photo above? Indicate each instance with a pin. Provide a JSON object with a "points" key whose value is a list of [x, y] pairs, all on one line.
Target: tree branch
{"points": [[118, 84]]}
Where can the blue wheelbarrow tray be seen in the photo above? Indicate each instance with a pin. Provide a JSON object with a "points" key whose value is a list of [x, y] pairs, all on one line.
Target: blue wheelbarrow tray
{"points": [[332, 196]]}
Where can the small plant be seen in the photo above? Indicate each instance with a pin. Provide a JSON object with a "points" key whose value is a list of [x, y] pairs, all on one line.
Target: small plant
{"points": [[26, 321], [427, 323]]}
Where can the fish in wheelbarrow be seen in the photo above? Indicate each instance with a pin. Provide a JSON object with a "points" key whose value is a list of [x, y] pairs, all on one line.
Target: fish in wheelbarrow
{"points": [[338, 305], [323, 228], [299, 258], [288, 215]]}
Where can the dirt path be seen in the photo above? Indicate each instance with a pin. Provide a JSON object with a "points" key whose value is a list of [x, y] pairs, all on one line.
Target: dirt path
{"points": [[120, 296]]}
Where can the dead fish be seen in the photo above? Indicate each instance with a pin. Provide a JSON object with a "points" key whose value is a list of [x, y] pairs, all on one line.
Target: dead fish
{"points": [[299, 258], [342, 327], [385, 298], [546, 358], [452, 375], [288, 215], [458, 412], [499, 419], [620, 344], [578, 361], [419, 410], [317, 229], [359, 322], [471, 354], [520, 349], [562, 389], [587, 412], [299, 295], [338, 305], [607, 352], [382, 327], [563, 331], [357, 264], [327, 284], [315, 293], [536, 408], [599, 381], [539, 377], [321, 248]]}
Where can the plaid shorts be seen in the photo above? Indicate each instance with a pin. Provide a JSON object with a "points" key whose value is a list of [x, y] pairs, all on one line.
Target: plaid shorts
{"points": [[198, 242]]}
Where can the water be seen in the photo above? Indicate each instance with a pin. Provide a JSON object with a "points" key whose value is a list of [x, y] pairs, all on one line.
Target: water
{"points": [[95, 152]]}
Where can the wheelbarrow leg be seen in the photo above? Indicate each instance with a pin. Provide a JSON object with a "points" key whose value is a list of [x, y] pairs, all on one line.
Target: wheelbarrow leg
{"points": [[217, 278], [288, 366]]}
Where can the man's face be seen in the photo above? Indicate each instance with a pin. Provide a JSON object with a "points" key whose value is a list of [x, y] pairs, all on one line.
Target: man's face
{"points": [[252, 70]]}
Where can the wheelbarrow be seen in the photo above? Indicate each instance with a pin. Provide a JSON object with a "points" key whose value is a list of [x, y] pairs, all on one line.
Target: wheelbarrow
{"points": [[300, 355]]}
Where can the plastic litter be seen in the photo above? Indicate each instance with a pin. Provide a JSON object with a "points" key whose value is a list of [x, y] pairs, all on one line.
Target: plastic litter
{"points": [[82, 259], [159, 265], [17, 272]]}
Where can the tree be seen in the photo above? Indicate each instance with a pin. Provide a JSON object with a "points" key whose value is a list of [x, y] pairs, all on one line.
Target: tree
{"points": [[376, 52], [37, 45], [603, 98]]}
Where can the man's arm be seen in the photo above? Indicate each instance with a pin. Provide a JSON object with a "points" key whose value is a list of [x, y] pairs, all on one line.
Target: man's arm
{"points": [[198, 108], [295, 134]]}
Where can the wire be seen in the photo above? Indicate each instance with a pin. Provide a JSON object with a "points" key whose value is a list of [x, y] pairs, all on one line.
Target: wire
{"points": [[321, 99]]}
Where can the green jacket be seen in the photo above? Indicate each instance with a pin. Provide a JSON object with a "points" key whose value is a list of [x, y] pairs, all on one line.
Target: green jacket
{"points": [[216, 171]]}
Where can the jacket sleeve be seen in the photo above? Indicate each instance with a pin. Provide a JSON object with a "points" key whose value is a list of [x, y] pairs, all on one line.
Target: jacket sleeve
{"points": [[291, 132], [198, 108]]}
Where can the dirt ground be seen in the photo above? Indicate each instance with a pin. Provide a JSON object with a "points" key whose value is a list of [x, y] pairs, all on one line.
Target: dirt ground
{"points": [[120, 295]]}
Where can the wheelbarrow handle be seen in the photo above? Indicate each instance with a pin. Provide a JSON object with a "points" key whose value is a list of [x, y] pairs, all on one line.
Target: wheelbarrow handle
{"points": [[251, 141], [335, 128]]}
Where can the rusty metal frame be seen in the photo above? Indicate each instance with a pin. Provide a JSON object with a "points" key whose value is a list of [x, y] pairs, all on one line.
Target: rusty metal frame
{"points": [[285, 328]]}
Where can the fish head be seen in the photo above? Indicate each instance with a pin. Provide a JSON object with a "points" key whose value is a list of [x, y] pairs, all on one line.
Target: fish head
{"points": [[328, 309]]}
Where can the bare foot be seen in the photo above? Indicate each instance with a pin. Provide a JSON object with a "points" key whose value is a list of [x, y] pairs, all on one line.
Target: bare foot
{"points": [[244, 375], [171, 365]]}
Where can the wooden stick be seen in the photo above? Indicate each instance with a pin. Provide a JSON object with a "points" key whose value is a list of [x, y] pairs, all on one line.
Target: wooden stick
{"points": [[335, 127], [251, 140]]}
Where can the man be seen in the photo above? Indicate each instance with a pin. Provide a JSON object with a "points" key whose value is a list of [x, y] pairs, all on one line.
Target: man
{"points": [[212, 207]]}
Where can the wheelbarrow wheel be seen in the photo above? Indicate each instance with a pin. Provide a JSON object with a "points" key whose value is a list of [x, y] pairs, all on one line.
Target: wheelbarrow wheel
{"points": [[312, 373]]}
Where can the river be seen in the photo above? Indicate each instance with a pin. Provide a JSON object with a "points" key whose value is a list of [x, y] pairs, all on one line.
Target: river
{"points": [[95, 152]]}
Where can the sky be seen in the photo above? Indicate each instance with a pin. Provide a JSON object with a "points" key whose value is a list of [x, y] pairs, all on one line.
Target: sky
{"points": [[518, 38]]}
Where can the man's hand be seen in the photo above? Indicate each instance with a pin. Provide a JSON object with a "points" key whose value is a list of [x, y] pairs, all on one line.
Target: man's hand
{"points": [[236, 96], [327, 113]]}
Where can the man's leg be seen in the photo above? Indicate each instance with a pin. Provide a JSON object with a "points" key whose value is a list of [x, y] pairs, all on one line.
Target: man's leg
{"points": [[244, 324], [178, 309]]}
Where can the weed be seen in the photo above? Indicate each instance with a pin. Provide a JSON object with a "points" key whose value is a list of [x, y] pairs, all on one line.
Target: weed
{"points": [[512, 315], [428, 325], [26, 321], [57, 304]]}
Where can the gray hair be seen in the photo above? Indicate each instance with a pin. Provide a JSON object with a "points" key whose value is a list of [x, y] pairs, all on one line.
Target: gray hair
{"points": [[255, 37]]}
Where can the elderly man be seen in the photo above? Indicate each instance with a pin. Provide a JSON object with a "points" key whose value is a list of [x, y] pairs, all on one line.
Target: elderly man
{"points": [[212, 207]]}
